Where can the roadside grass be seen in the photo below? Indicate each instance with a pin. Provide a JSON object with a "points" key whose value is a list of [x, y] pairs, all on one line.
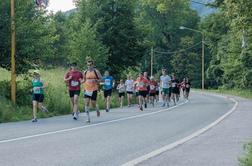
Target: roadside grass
{"points": [[56, 97], [245, 93], [247, 159]]}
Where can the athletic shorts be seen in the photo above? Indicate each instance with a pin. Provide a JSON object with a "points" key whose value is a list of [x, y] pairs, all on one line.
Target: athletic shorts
{"points": [[175, 90], [137, 94], [165, 91], [143, 93], [107, 93], [152, 94], [187, 89], [92, 97], [129, 92], [38, 97], [157, 92], [170, 92], [74, 92], [121, 94]]}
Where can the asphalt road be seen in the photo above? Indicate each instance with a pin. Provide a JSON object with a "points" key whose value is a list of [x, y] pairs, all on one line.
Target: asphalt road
{"points": [[111, 140]]}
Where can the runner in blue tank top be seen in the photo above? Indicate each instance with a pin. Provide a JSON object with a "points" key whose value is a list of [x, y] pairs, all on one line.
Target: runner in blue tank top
{"points": [[108, 83]]}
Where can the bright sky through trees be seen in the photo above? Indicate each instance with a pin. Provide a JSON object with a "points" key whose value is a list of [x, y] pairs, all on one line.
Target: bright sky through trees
{"points": [[63, 5]]}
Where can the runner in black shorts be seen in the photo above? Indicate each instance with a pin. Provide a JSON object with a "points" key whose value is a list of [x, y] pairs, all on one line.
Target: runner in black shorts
{"points": [[91, 79], [121, 91], [73, 79], [187, 89], [174, 89], [108, 83]]}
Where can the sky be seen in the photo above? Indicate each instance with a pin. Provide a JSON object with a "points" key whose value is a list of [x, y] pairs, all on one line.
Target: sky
{"points": [[63, 5]]}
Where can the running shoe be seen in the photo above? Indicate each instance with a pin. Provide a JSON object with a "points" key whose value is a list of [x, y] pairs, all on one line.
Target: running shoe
{"points": [[107, 110], [141, 108], [44, 109], [34, 120], [163, 105], [75, 116], [98, 113], [88, 120]]}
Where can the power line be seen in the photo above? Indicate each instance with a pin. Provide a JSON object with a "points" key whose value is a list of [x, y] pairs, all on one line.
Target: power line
{"points": [[182, 50]]}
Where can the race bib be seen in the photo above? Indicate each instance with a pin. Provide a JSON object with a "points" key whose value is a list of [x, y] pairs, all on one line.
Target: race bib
{"points": [[107, 82], [173, 85], [141, 84], [89, 93], [36, 90], [74, 83], [152, 87]]}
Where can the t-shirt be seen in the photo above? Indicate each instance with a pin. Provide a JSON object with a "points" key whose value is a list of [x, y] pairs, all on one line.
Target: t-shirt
{"points": [[142, 83], [108, 82], [174, 83], [165, 80], [183, 85], [153, 85], [129, 85], [74, 83], [121, 88]]}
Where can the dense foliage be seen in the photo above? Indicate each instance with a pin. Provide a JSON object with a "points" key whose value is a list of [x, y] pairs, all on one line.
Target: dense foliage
{"points": [[119, 35], [229, 38]]}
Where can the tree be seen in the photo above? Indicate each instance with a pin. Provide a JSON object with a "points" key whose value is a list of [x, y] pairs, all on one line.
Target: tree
{"points": [[115, 26], [34, 35]]}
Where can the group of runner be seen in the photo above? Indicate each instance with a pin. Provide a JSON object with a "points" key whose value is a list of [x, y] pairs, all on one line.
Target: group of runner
{"points": [[144, 88]]}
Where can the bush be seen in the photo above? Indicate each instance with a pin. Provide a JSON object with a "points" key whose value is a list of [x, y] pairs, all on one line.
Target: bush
{"points": [[247, 160]]}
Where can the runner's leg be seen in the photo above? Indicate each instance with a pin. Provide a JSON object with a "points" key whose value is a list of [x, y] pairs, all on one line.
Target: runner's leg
{"points": [[34, 109]]}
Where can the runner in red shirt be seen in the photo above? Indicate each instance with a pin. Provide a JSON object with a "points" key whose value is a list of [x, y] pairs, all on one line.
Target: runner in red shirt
{"points": [[73, 79], [142, 84], [152, 93]]}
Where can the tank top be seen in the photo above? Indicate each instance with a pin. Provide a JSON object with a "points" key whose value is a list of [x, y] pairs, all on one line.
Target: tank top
{"points": [[91, 83], [37, 85]]}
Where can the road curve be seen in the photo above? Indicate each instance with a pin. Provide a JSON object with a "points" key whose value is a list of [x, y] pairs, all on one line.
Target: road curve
{"points": [[113, 139]]}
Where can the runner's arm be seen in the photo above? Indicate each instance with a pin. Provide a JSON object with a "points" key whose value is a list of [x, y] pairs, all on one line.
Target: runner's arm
{"points": [[67, 77], [45, 84], [99, 79]]}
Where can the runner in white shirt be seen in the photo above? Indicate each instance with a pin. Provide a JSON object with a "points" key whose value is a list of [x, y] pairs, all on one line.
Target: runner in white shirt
{"points": [[165, 81], [121, 92], [129, 83]]}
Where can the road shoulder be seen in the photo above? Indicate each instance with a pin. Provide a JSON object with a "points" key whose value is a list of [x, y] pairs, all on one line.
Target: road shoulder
{"points": [[222, 145]]}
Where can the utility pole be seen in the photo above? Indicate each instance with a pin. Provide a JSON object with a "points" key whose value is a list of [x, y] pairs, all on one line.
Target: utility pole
{"points": [[203, 62], [152, 56], [13, 52]]}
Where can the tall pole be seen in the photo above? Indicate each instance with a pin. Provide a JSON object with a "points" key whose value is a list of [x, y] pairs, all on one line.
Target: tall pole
{"points": [[13, 52], [203, 62], [152, 55]]}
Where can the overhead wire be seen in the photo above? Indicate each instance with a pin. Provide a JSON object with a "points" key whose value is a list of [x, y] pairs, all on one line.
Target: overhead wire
{"points": [[173, 52]]}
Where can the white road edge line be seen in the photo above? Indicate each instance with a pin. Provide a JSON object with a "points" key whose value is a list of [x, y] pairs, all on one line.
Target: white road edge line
{"points": [[183, 140], [91, 125]]}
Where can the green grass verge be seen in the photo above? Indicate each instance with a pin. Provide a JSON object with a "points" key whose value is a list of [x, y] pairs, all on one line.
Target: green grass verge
{"points": [[245, 93], [247, 159]]}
